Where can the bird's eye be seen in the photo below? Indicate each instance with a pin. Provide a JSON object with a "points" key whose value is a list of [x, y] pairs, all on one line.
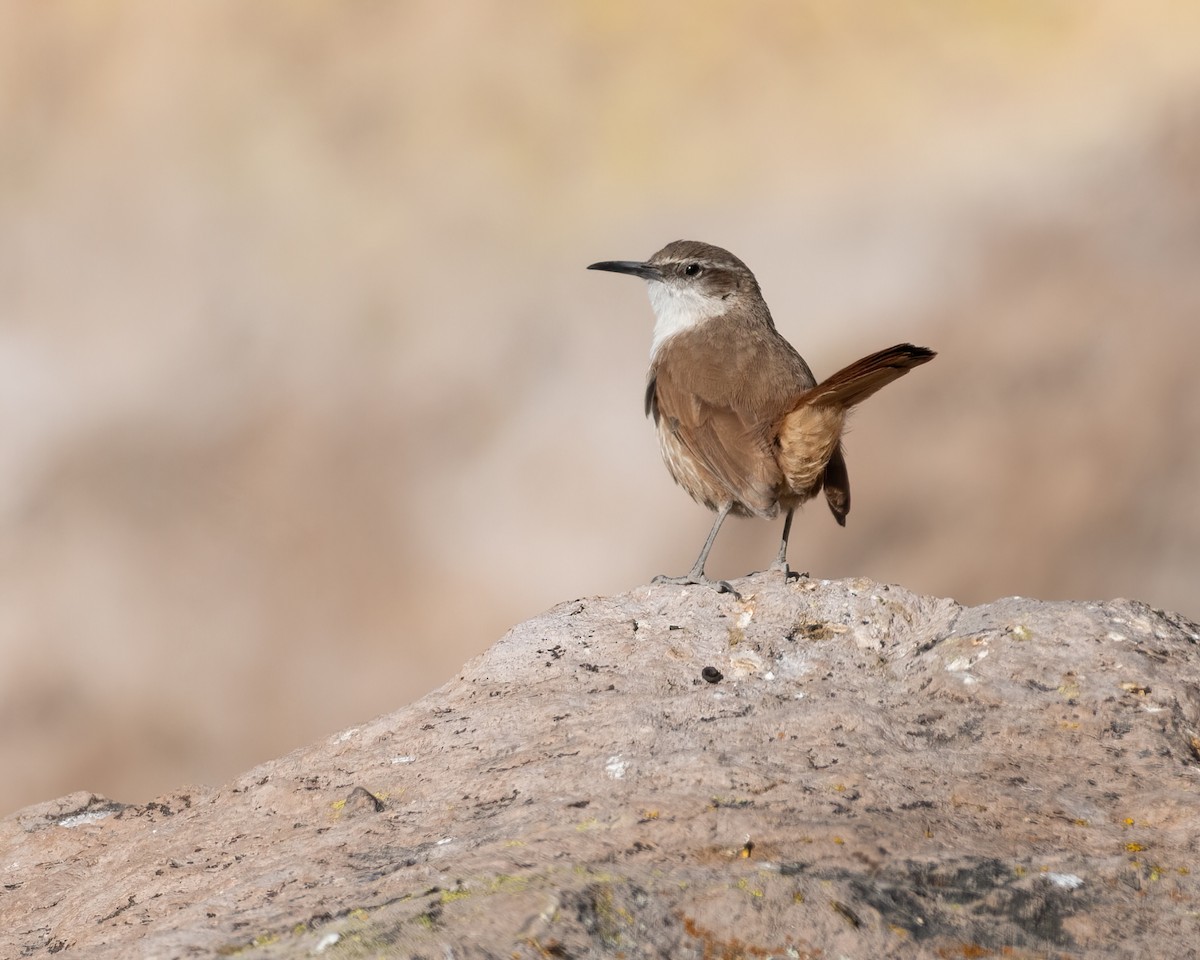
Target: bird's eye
{"points": [[692, 270]]}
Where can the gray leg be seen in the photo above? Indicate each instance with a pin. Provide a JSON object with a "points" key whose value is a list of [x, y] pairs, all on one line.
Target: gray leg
{"points": [[696, 575], [698, 566], [781, 560]]}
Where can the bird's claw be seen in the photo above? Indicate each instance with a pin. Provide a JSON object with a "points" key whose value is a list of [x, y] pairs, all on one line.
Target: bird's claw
{"points": [[723, 586], [788, 573]]}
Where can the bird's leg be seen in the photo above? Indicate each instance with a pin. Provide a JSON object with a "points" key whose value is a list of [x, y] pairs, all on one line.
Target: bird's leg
{"points": [[698, 567], [781, 560], [696, 574]]}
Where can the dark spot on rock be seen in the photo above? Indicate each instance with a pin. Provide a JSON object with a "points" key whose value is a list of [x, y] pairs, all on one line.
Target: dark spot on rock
{"points": [[712, 675], [849, 915], [362, 800]]}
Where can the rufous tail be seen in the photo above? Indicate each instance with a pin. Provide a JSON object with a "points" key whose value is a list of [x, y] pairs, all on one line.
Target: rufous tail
{"points": [[853, 384], [808, 440]]}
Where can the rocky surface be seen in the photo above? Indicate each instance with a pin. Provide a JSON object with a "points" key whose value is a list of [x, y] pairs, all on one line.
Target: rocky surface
{"points": [[294, 323], [816, 769]]}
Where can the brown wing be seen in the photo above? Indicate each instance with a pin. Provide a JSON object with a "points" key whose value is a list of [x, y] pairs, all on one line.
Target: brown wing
{"points": [[712, 453], [716, 392]]}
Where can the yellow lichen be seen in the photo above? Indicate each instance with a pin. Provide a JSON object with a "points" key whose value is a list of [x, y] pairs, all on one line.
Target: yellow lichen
{"points": [[743, 884]]}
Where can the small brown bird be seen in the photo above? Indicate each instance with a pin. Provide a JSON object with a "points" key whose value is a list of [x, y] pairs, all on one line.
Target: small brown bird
{"points": [[743, 425]]}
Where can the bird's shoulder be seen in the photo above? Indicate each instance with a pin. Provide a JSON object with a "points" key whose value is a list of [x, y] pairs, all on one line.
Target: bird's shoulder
{"points": [[722, 367]]}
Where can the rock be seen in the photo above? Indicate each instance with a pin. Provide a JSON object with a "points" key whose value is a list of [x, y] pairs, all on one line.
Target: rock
{"points": [[820, 769]]}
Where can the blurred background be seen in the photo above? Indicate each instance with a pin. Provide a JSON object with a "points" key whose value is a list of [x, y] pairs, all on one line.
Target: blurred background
{"points": [[306, 396]]}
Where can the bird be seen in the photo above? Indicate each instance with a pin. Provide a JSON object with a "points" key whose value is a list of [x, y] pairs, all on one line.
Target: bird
{"points": [[743, 425]]}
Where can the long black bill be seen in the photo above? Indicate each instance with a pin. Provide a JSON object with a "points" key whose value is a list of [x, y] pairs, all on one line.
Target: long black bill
{"points": [[647, 271]]}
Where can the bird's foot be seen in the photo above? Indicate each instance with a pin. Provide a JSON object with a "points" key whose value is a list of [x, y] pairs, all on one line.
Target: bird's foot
{"points": [[723, 586], [788, 573]]}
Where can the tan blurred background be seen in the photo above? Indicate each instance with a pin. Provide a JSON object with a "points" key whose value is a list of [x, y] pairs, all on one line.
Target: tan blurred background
{"points": [[305, 395]]}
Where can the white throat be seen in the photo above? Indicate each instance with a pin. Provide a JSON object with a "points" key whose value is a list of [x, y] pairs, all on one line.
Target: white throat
{"points": [[677, 309]]}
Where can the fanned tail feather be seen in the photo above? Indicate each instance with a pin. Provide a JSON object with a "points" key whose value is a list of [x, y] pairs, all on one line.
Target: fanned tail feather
{"points": [[853, 384]]}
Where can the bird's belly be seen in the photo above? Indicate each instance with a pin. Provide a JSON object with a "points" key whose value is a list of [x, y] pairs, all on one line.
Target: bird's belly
{"points": [[704, 485]]}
